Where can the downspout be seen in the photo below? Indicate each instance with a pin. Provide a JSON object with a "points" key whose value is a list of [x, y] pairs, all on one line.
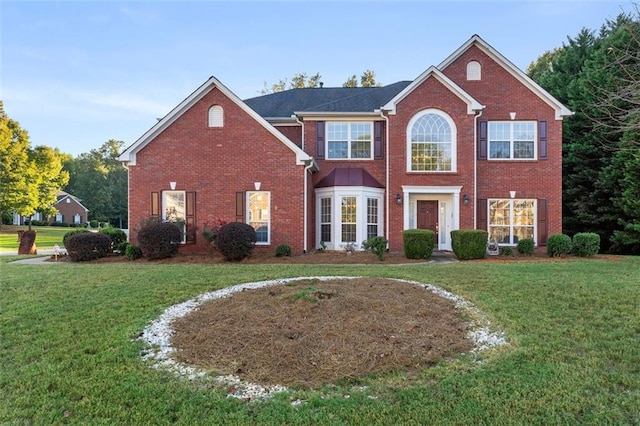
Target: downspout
{"points": [[305, 208], [475, 169], [386, 177]]}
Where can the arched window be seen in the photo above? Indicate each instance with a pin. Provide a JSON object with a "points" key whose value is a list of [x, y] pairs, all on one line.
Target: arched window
{"points": [[216, 116], [474, 71], [431, 144]]}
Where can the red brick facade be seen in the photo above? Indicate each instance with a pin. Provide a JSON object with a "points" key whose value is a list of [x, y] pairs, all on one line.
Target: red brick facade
{"points": [[218, 165]]}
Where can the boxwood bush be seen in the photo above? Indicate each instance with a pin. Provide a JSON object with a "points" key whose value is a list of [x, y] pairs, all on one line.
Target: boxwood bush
{"points": [[418, 243], [469, 243], [558, 245], [132, 252], [236, 240], [118, 238], [283, 250], [586, 244], [377, 246], [159, 240], [87, 246], [525, 246]]}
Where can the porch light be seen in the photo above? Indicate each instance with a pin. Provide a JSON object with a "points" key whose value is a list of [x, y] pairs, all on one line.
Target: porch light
{"points": [[399, 198], [465, 199], [512, 194], [172, 185]]}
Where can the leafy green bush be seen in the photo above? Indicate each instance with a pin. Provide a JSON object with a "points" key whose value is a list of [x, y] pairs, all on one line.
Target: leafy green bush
{"points": [[132, 252], [283, 250], [70, 233], [586, 244], [418, 243], [506, 251], [39, 223], [87, 246], [558, 245], [469, 243], [236, 240], [525, 246], [159, 240], [118, 238], [376, 245], [93, 223]]}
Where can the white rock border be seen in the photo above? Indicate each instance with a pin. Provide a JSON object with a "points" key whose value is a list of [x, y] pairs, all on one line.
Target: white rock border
{"points": [[158, 333]]}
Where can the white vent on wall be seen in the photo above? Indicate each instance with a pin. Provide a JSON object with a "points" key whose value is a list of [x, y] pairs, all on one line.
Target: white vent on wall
{"points": [[474, 71], [216, 116]]}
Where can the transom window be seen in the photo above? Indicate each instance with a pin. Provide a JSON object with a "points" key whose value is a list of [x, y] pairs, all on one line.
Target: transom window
{"points": [[511, 220], [174, 210], [349, 141], [512, 140], [259, 212], [431, 143]]}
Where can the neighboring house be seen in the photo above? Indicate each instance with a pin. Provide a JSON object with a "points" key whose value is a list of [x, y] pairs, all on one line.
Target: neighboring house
{"points": [[471, 143], [70, 210]]}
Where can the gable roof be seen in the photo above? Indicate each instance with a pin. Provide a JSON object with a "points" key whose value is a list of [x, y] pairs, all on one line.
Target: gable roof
{"points": [[476, 40], [62, 196], [129, 154], [315, 100], [432, 72]]}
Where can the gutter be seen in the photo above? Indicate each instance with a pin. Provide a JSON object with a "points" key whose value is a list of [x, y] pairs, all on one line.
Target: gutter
{"points": [[307, 167], [386, 177], [475, 168]]}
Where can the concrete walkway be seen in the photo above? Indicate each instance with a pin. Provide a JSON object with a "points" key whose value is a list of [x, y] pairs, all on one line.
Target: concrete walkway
{"points": [[37, 259]]}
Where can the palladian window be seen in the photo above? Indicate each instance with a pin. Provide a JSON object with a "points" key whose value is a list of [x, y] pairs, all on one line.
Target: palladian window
{"points": [[432, 143]]}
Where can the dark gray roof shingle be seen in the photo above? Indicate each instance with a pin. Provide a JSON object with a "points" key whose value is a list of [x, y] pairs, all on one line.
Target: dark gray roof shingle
{"points": [[326, 99]]}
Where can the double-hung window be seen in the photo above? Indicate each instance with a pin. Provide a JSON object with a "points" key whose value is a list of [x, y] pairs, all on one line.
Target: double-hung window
{"points": [[512, 140], [352, 141], [511, 220], [174, 210], [259, 212]]}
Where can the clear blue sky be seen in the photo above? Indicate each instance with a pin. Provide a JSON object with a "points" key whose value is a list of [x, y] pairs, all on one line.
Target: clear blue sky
{"points": [[77, 73]]}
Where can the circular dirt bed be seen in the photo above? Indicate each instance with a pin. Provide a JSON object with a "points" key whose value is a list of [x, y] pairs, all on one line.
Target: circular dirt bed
{"points": [[312, 332]]}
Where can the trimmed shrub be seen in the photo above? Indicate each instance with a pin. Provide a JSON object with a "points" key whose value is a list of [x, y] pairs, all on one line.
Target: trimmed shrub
{"points": [[118, 238], [39, 223], [418, 243], [70, 233], [88, 246], [376, 245], [93, 223], [506, 251], [132, 252], [558, 245], [283, 250], [469, 243], [586, 244], [236, 240], [159, 240], [525, 246]]}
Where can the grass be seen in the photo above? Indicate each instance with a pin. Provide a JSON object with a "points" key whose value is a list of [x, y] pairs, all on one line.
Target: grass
{"points": [[69, 354], [46, 236]]}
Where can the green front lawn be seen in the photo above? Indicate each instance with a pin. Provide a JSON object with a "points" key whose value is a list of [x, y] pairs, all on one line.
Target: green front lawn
{"points": [[69, 354], [46, 236]]}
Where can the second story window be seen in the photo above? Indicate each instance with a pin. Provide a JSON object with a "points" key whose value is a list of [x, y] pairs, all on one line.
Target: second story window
{"points": [[431, 143], [349, 141], [512, 140]]}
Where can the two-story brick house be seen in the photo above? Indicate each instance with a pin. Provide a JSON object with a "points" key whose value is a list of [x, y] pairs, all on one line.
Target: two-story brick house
{"points": [[471, 143]]}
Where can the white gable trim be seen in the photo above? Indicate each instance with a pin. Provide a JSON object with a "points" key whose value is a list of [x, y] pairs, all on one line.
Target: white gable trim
{"points": [[129, 155], [560, 109], [74, 199], [472, 104]]}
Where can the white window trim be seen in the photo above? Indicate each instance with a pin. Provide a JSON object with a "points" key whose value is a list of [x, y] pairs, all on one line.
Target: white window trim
{"points": [[454, 141], [268, 221], [511, 224], [216, 116], [349, 140], [336, 194], [511, 144], [474, 71]]}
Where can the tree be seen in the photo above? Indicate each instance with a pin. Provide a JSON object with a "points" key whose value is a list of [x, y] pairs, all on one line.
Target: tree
{"points": [[367, 79], [100, 181], [50, 177], [298, 81]]}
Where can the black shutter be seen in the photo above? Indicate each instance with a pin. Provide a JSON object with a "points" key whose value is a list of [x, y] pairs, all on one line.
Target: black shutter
{"points": [[239, 206], [155, 205], [482, 213], [377, 139], [542, 222], [542, 140], [190, 208], [320, 139], [482, 140]]}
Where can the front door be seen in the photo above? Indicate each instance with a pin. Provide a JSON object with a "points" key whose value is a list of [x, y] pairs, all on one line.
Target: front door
{"points": [[428, 217]]}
